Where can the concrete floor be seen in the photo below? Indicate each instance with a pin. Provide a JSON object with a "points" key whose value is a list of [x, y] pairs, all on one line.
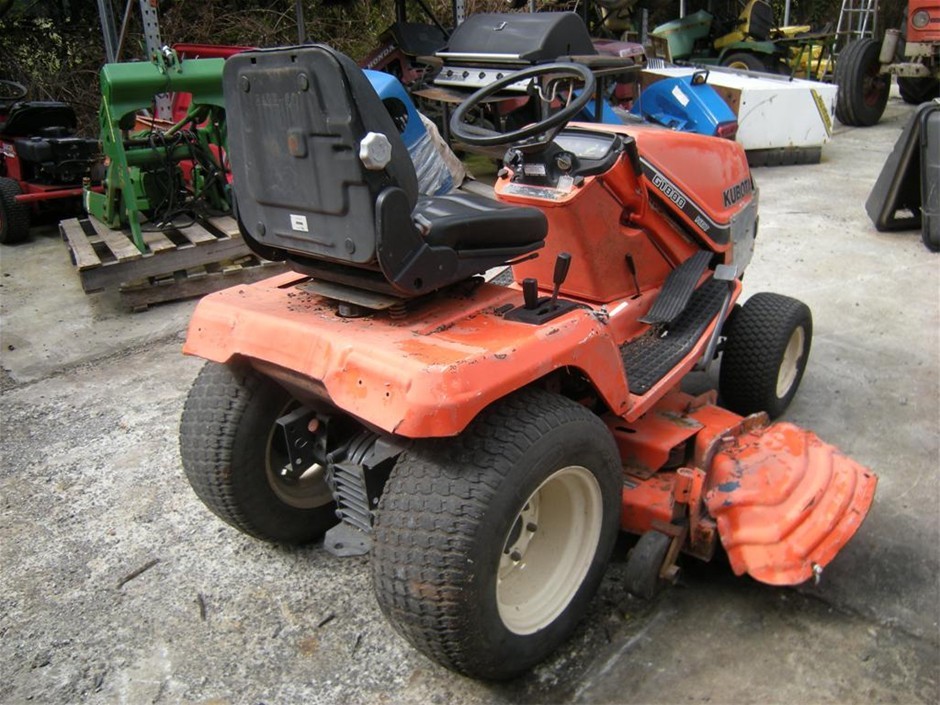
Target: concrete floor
{"points": [[91, 490]]}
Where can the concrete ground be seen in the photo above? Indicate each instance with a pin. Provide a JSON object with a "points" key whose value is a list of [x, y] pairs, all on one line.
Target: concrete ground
{"points": [[91, 493]]}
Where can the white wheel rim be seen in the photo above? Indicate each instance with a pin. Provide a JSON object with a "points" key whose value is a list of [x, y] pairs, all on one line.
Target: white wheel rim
{"points": [[549, 549], [790, 365]]}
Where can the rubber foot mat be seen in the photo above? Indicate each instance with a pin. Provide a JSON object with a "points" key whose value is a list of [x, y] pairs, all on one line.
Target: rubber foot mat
{"points": [[678, 288], [650, 357]]}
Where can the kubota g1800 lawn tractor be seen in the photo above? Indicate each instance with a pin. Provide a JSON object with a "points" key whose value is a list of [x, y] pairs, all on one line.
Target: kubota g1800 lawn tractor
{"points": [[486, 442]]}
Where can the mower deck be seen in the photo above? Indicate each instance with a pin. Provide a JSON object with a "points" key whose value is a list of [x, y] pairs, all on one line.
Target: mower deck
{"points": [[782, 501]]}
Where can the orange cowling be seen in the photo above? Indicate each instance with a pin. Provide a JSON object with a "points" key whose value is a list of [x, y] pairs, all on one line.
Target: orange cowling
{"points": [[785, 502]]}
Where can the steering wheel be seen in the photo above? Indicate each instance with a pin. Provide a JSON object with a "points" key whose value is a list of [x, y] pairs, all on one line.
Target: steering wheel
{"points": [[483, 137], [10, 92]]}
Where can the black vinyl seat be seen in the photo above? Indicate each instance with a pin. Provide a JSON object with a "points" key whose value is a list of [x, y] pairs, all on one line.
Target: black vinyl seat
{"points": [[322, 178], [462, 220]]}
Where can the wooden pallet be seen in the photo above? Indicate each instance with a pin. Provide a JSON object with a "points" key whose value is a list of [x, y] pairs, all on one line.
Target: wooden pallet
{"points": [[180, 262]]}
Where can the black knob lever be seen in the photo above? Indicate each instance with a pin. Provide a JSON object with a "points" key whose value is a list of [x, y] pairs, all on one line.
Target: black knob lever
{"points": [[530, 293], [562, 265]]}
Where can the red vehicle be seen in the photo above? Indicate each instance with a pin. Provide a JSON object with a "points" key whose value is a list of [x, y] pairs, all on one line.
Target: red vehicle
{"points": [[42, 162], [865, 67], [486, 442]]}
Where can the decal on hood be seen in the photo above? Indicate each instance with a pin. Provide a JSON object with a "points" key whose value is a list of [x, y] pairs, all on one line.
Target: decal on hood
{"points": [[708, 227]]}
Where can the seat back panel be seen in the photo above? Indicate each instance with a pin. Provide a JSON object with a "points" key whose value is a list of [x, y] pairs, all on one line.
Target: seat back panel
{"points": [[296, 118]]}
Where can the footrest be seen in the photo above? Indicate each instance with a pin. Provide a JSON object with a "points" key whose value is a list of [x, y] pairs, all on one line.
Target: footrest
{"points": [[678, 289], [649, 358]]}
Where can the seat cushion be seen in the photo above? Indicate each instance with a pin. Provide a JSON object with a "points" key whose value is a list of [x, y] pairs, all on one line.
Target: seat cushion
{"points": [[469, 222]]}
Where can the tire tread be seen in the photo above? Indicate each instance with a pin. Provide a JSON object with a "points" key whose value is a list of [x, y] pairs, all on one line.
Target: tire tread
{"points": [[432, 505], [751, 358]]}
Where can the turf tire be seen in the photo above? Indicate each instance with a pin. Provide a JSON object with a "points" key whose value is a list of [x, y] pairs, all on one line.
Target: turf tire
{"points": [[757, 372], [230, 456], [450, 513]]}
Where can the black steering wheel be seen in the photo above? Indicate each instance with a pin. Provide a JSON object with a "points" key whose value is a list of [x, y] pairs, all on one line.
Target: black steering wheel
{"points": [[10, 92], [483, 137]]}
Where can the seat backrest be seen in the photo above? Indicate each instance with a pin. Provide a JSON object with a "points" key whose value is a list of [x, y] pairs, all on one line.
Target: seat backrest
{"points": [[760, 20], [32, 118], [296, 118]]}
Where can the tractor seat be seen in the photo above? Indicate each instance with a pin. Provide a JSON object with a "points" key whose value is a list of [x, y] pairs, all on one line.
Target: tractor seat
{"points": [[760, 22], [323, 180], [35, 117], [463, 220]]}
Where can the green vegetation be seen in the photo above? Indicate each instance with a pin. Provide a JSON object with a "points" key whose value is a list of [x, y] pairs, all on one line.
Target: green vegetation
{"points": [[56, 49]]}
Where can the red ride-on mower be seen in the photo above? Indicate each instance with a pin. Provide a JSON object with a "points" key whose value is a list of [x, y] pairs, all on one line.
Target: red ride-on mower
{"points": [[42, 162], [486, 442]]}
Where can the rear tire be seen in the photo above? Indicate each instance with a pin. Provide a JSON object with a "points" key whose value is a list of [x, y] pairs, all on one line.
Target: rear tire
{"points": [[863, 89], [743, 60], [915, 91], [489, 546], [14, 217], [765, 354], [232, 452]]}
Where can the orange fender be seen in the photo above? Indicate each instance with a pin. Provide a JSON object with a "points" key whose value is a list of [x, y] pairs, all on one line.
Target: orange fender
{"points": [[426, 374]]}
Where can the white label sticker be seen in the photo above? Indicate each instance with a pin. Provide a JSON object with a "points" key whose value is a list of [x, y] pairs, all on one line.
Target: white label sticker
{"points": [[299, 223], [680, 96]]}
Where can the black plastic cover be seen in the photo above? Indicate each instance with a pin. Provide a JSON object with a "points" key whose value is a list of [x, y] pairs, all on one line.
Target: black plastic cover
{"points": [[535, 37], [296, 117], [894, 202], [930, 175], [40, 149]]}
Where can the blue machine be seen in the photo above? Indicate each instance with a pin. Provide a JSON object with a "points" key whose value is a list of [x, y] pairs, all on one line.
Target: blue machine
{"points": [[688, 104], [434, 178]]}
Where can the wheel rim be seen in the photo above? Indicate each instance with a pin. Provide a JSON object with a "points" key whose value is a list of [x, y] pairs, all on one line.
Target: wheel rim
{"points": [[549, 549], [305, 492], [741, 65], [790, 365], [874, 86]]}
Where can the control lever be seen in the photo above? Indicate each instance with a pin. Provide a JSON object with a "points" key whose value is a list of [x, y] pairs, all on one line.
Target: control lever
{"points": [[530, 293], [561, 273]]}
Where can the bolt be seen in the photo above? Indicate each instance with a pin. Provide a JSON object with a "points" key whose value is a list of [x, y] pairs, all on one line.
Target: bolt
{"points": [[515, 556], [531, 527]]}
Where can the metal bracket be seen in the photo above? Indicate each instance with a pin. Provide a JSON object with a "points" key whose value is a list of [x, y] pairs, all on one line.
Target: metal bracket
{"points": [[301, 448], [345, 540]]}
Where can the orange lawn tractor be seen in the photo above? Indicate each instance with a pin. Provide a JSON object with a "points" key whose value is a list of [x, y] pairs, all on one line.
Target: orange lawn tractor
{"points": [[485, 441]]}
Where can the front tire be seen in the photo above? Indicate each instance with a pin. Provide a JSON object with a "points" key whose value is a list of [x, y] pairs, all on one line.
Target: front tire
{"points": [[232, 453], [765, 354], [863, 89], [490, 546]]}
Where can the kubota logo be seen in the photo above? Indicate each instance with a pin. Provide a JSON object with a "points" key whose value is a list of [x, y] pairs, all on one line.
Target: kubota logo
{"points": [[737, 192]]}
